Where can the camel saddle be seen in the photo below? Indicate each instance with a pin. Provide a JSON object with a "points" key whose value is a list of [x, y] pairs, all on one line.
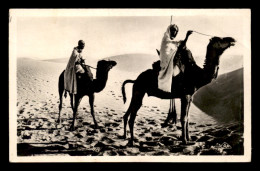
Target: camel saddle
{"points": [[184, 60], [84, 79]]}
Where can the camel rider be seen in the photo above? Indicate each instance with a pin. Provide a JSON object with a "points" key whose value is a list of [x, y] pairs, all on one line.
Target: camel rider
{"points": [[168, 51], [74, 67]]}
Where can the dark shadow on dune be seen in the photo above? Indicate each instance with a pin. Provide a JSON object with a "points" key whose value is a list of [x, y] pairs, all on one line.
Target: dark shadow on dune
{"points": [[223, 98]]}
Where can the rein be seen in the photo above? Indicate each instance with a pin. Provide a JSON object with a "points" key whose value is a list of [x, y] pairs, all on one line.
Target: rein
{"points": [[216, 72], [203, 34], [90, 66], [195, 31]]}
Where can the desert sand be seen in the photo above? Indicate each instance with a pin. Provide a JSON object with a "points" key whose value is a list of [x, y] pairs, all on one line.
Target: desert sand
{"points": [[38, 134]]}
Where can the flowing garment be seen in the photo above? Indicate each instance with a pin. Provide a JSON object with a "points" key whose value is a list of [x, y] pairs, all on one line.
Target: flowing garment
{"points": [[70, 81], [168, 69]]}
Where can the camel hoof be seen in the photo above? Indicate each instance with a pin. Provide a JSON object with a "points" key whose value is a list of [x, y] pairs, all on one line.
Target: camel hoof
{"points": [[96, 126], [58, 126], [121, 136], [163, 125], [187, 143], [184, 142], [130, 143], [72, 128], [58, 121]]}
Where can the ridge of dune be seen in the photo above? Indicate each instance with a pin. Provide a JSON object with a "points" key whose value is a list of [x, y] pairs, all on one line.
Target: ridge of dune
{"points": [[138, 62], [58, 60], [134, 62]]}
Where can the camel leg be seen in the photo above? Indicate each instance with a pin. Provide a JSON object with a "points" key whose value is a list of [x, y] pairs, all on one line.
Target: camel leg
{"points": [[60, 107], [137, 103], [75, 100], [61, 90], [91, 103], [187, 129], [128, 112], [185, 105], [172, 115]]}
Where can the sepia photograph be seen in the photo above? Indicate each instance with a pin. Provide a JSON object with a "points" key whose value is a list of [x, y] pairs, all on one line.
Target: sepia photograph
{"points": [[129, 85]]}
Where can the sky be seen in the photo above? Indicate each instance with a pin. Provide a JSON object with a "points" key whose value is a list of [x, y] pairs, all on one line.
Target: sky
{"points": [[54, 36]]}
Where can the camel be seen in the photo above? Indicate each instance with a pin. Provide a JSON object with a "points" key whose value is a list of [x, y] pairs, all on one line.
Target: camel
{"points": [[184, 85], [86, 87]]}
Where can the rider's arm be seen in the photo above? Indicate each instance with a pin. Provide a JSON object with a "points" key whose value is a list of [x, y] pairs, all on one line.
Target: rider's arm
{"points": [[182, 45], [81, 60]]}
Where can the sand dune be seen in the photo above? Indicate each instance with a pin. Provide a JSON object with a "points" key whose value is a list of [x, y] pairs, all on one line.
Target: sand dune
{"points": [[134, 62], [37, 111], [223, 97], [139, 62]]}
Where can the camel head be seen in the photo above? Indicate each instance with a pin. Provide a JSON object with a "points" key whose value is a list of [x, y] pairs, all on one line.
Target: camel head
{"points": [[105, 66], [219, 45], [215, 49]]}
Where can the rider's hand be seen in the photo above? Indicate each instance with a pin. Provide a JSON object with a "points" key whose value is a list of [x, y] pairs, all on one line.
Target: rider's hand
{"points": [[189, 32]]}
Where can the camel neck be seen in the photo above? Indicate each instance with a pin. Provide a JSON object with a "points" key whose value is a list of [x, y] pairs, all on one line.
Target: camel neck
{"points": [[101, 80], [212, 59], [211, 62]]}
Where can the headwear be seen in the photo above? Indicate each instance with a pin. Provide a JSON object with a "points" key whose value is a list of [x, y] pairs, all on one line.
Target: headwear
{"points": [[81, 42], [174, 28]]}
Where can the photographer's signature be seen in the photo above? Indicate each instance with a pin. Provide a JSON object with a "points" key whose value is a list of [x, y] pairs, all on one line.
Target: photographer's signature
{"points": [[222, 146]]}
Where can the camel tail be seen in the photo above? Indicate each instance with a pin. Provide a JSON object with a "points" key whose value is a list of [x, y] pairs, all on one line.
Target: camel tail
{"points": [[61, 85], [158, 52], [123, 88]]}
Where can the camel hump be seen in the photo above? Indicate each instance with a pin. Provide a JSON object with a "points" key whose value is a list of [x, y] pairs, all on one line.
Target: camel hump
{"points": [[187, 57], [156, 66]]}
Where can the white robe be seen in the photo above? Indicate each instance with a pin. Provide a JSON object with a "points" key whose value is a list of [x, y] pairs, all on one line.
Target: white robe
{"points": [[167, 53], [70, 82]]}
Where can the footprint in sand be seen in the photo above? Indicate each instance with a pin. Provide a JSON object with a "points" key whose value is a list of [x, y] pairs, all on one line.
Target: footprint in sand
{"points": [[179, 127], [156, 133], [201, 126], [107, 140], [152, 123], [118, 120], [167, 140], [220, 133], [194, 137], [148, 138], [146, 148], [139, 124], [26, 135], [141, 135], [110, 129], [192, 123], [204, 138], [21, 111], [112, 124]]}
